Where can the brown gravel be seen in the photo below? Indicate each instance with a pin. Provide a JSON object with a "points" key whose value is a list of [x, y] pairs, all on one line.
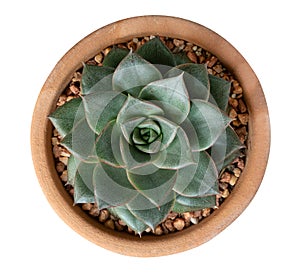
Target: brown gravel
{"points": [[228, 177]]}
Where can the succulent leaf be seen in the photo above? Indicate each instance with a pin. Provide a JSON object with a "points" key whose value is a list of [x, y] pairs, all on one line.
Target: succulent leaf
{"points": [[129, 130], [205, 124], [155, 186], [151, 215], [108, 145], [178, 154], [171, 95], [200, 179], [226, 148], [156, 52], [168, 131], [131, 220], [137, 108], [72, 168], [115, 56], [219, 92], [102, 107], [80, 141], [82, 194], [137, 161], [184, 204], [67, 116], [115, 179], [96, 78], [181, 58], [195, 78], [137, 72]]}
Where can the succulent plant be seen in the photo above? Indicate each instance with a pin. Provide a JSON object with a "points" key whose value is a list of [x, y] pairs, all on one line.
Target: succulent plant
{"points": [[149, 134]]}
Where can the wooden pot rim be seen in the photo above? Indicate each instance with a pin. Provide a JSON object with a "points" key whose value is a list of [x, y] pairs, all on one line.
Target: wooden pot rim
{"points": [[258, 144]]}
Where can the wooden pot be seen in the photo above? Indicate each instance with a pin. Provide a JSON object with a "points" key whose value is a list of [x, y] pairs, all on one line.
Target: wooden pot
{"points": [[258, 138]]}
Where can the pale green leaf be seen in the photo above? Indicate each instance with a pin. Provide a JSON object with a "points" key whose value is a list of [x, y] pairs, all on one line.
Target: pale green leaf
{"points": [[115, 56], [96, 78], [177, 155], [136, 161], [133, 73], [72, 168], [185, 204], [102, 107], [136, 108], [200, 179], [151, 148], [112, 186], [128, 128], [181, 58], [108, 145], [151, 215], [156, 52], [154, 186], [171, 95], [195, 78], [131, 220], [205, 123], [219, 92], [65, 117], [168, 131], [80, 141], [82, 193], [226, 148]]}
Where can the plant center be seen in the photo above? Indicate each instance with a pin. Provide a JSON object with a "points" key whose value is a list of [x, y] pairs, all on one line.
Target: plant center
{"points": [[146, 132]]}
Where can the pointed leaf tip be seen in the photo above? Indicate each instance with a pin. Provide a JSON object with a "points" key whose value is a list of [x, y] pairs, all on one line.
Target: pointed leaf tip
{"points": [[137, 72]]}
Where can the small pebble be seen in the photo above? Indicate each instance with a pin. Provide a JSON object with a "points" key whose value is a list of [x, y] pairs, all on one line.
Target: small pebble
{"points": [[98, 58], [60, 167], [194, 220], [64, 159], [64, 176], [179, 223], [56, 151], [186, 216], [110, 224], [118, 226], [169, 225], [212, 61], [233, 180], [87, 206], [233, 102], [103, 216], [225, 177], [54, 141], [148, 229], [178, 42], [172, 215], [242, 106], [94, 211], [244, 118], [225, 193], [74, 89], [192, 56], [206, 212], [232, 113], [237, 172], [158, 230], [196, 214]]}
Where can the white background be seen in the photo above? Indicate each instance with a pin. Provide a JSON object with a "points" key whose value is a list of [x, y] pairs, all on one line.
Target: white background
{"points": [[36, 34]]}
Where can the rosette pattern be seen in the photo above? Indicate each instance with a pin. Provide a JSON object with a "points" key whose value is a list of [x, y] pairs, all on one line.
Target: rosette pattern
{"points": [[148, 135]]}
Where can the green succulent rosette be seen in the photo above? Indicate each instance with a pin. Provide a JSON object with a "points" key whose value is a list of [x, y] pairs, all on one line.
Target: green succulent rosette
{"points": [[148, 135]]}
